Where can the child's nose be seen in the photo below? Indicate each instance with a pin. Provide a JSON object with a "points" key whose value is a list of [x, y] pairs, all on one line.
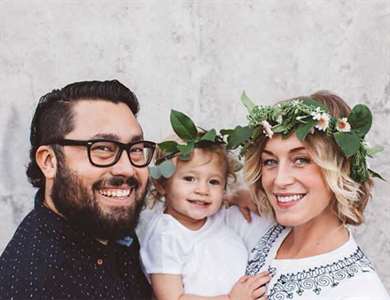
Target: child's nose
{"points": [[202, 188]]}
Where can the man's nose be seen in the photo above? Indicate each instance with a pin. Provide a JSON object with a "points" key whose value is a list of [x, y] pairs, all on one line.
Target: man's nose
{"points": [[123, 166]]}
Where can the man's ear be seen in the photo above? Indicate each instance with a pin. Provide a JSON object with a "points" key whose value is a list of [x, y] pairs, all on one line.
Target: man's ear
{"points": [[47, 161]]}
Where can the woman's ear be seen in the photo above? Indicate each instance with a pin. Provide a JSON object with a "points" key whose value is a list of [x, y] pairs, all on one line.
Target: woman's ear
{"points": [[47, 161]]}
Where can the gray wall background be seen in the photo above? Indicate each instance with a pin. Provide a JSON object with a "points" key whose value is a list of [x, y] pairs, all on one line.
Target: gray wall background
{"points": [[197, 57]]}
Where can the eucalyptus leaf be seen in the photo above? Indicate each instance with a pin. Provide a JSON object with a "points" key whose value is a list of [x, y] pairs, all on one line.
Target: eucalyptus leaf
{"points": [[167, 168], [183, 126], [304, 129], [349, 142], [248, 103], [155, 172], [360, 119]]}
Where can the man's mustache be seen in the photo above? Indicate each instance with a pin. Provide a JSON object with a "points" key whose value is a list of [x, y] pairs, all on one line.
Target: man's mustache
{"points": [[114, 181]]}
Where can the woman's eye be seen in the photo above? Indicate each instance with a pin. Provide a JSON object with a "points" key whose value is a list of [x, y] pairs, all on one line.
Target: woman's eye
{"points": [[189, 178], [269, 162], [214, 182], [300, 161]]}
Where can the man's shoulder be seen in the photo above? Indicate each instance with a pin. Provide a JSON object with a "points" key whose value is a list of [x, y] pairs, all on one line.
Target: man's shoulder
{"points": [[26, 262], [31, 245]]}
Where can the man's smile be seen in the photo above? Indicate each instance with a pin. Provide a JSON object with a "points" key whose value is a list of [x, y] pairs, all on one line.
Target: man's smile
{"points": [[118, 196]]}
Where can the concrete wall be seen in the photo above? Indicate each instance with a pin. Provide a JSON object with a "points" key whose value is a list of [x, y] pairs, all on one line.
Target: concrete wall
{"points": [[194, 56]]}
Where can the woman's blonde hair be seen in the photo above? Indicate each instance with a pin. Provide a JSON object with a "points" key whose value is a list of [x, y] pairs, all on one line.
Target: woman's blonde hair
{"points": [[350, 196], [231, 165]]}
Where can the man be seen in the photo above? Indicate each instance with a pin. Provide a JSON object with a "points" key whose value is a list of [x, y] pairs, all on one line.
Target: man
{"points": [[89, 163]]}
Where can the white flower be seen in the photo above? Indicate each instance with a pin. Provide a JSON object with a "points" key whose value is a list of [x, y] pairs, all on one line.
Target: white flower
{"points": [[342, 125], [323, 120], [267, 129], [296, 102]]}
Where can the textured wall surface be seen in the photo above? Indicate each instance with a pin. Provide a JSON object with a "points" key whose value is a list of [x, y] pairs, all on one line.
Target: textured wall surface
{"points": [[197, 57]]}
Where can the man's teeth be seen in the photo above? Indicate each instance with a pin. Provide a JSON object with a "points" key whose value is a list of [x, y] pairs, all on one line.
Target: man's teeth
{"points": [[289, 198], [115, 193]]}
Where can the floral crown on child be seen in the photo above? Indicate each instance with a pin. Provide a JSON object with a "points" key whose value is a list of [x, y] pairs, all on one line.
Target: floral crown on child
{"points": [[305, 116], [192, 138]]}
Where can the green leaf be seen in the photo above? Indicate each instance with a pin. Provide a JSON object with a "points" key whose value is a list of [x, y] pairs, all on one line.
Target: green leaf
{"points": [[239, 136], [226, 131], [247, 102], [209, 136], [375, 174], [349, 142], [315, 103], [155, 172], [185, 150], [360, 119], [304, 129], [167, 168], [168, 146], [183, 126], [374, 150]]}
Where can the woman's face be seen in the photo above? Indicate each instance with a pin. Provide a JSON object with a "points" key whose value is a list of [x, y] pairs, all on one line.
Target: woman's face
{"points": [[293, 183]]}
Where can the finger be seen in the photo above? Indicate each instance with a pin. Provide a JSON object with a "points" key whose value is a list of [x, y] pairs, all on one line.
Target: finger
{"points": [[260, 292], [243, 278], [246, 213], [228, 198], [259, 281]]}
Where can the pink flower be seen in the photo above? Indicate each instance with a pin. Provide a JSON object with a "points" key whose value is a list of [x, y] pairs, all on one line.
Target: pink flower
{"points": [[267, 129], [342, 125]]}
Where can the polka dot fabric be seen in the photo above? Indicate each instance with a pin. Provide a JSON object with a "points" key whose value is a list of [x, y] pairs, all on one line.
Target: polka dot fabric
{"points": [[48, 259]]}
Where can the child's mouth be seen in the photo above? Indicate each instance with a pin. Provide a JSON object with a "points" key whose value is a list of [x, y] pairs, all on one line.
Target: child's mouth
{"points": [[199, 202]]}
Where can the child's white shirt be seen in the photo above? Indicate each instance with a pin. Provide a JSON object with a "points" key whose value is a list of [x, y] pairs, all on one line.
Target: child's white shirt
{"points": [[210, 260]]}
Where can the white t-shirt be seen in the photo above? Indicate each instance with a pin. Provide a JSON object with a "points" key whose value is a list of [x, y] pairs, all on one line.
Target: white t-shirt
{"points": [[210, 260], [342, 274]]}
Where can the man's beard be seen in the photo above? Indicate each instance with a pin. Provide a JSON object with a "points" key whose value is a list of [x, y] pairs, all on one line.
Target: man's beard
{"points": [[79, 206]]}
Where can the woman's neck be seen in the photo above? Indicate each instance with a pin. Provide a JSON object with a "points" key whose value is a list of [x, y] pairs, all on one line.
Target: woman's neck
{"points": [[318, 236]]}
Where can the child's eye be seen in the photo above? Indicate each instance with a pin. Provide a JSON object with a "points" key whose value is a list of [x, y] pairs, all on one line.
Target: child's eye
{"points": [[189, 178], [301, 161], [214, 182]]}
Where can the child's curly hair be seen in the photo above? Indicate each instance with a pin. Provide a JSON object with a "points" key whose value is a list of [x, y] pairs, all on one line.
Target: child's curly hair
{"points": [[232, 165]]}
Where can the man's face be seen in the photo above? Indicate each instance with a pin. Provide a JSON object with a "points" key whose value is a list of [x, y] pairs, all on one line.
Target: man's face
{"points": [[105, 202]]}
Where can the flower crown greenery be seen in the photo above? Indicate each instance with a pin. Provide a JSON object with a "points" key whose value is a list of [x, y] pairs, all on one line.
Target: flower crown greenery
{"points": [[305, 116], [187, 131]]}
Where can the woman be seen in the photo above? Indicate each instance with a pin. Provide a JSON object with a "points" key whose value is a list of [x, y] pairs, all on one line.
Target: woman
{"points": [[306, 164]]}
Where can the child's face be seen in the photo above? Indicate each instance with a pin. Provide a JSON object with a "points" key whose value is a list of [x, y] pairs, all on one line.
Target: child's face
{"points": [[196, 189]]}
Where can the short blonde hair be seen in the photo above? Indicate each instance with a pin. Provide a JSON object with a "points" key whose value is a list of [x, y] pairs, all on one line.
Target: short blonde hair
{"points": [[229, 161], [351, 197]]}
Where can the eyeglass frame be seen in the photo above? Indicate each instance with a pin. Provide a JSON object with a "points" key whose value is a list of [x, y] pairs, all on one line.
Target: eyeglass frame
{"points": [[122, 147]]}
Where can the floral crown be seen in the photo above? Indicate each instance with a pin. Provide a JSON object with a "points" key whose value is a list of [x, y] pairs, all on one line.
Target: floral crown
{"points": [[305, 116], [187, 131]]}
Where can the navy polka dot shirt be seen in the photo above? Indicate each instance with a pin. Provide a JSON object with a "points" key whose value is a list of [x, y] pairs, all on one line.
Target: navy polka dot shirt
{"points": [[48, 259]]}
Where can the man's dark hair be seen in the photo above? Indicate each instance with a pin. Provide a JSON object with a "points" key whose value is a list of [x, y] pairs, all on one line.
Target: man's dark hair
{"points": [[53, 117]]}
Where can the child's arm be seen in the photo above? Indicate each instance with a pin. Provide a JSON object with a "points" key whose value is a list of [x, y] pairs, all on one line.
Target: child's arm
{"points": [[170, 287]]}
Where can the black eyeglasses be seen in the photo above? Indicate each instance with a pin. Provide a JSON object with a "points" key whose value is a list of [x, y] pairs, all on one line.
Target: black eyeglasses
{"points": [[106, 153]]}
